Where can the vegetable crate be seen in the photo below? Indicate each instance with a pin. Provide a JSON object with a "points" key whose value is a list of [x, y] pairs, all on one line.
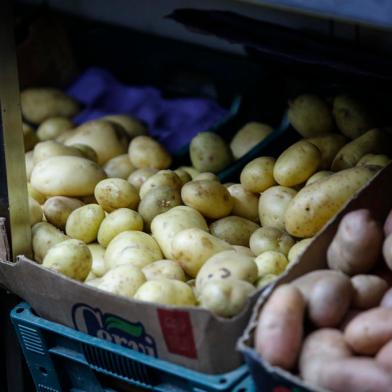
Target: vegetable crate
{"points": [[62, 359]]}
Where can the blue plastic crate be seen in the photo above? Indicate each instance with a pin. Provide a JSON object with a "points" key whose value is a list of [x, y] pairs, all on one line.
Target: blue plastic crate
{"points": [[62, 359]]}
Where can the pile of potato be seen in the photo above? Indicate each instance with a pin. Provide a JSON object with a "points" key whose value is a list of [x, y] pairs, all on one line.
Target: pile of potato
{"points": [[106, 208], [334, 326]]}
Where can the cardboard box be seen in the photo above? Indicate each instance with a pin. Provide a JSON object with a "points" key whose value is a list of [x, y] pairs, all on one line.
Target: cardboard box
{"points": [[192, 337], [377, 197]]}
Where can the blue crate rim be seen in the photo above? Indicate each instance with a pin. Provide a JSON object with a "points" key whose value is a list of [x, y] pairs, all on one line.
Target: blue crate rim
{"points": [[223, 379]]}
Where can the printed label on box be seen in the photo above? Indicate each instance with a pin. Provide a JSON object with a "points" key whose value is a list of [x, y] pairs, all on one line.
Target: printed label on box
{"points": [[113, 329], [177, 331]]}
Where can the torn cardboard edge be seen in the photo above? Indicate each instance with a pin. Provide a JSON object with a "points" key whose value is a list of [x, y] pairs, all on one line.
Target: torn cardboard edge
{"points": [[376, 196]]}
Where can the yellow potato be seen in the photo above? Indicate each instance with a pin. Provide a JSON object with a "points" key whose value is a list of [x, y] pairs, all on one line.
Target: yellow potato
{"points": [[165, 226], [192, 247], [119, 167], [58, 208], [297, 249], [71, 258], [116, 222], [257, 175], [35, 211], [228, 264], [167, 269], [144, 152], [132, 247], [38, 196], [265, 280], [208, 197], [167, 292], [157, 201], [103, 137], [348, 156], [329, 145], [271, 262], [122, 280], [162, 178], [209, 152], [273, 204], [183, 175], [206, 176], [83, 223], [53, 127], [243, 250], [29, 162], [297, 163], [51, 148], [191, 171], [87, 151], [139, 176], [234, 229], [270, 238], [310, 115], [44, 236], [132, 126], [225, 298], [114, 193], [66, 176], [245, 202], [38, 104], [374, 159], [30, 138], [317, 203], [351, 116], [247, 137], [318, 176], [98, 267]]}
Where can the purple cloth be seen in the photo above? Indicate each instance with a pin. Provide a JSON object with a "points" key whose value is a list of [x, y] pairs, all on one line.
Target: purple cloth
{"points": [[172, 121]]}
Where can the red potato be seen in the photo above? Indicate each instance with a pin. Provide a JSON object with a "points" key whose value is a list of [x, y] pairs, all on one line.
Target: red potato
{"points": [[280, 327], [352, 375], [369, 331], [356, 245], [388, 224], [326, 343], [350, 315], [386, 301], [387, 251], [368, 291], [328, 295], [384, 356]]}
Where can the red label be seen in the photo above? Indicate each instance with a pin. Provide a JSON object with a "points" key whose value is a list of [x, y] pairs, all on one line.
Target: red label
{"points": [[177, 331]]}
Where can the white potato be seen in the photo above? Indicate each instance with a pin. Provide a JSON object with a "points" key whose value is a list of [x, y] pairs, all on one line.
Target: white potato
{"points": [[162, 178], [53, 127], [116, 222], [166, 291], [167, 269], [83, 223], [271, 262], [51, 148], [228, 264], [165, 226], [132, 247], [139, 176], [122, 280], [192, 247], [226, 298], [71, 258], [58, 208], [66, 176], [119, 167], [114, 193], [44, 236], [273, 204], [98, 267], [269, 238], [245, 202], [35, 211]]}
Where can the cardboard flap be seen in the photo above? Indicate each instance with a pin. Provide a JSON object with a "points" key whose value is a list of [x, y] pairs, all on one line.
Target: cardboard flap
{"points": [[284, 44]]}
